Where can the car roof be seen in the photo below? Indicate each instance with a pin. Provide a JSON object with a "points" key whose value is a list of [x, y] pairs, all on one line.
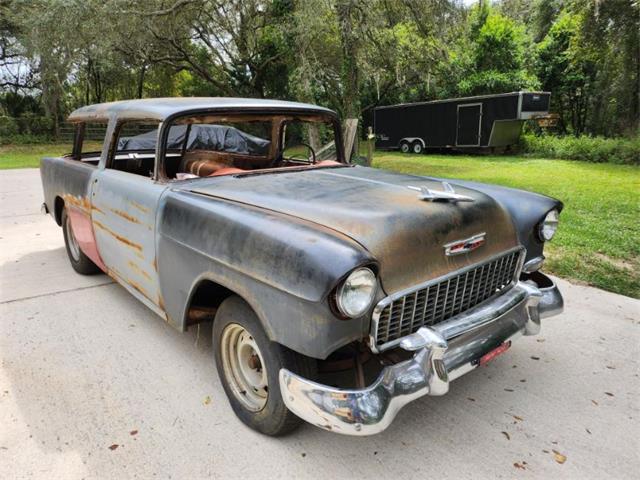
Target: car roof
{"points": [[162, 108]]}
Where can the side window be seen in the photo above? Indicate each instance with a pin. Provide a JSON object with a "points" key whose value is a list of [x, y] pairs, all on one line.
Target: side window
{"points": [[134, 148], [88, 141]]}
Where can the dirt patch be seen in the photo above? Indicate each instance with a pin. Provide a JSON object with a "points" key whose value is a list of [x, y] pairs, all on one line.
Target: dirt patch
{"points": [[616, 262]]}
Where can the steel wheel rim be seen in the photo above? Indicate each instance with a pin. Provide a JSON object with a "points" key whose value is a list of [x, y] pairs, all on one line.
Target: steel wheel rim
{"points": [[404, 148], [244, 368], [417, 148], [74, 248]]}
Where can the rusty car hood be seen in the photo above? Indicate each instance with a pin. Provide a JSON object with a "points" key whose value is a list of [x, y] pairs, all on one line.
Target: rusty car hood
{"points": [[378, 210]]}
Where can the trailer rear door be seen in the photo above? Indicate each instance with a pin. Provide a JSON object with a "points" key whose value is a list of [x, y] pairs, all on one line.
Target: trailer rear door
{"points": [[468, 130]]}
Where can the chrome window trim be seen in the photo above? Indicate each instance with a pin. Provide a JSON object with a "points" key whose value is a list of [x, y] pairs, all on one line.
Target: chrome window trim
{"points": [[382, 304]]}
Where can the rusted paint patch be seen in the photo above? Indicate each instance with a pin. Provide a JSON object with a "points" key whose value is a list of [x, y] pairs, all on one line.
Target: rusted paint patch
{"points": [[81, 203], [125, 215], [137, 287], [118, 277], [142, 208], [120, 238], [161, 302], [155, 263], [83, 231], [135, 267], [96, 209]]}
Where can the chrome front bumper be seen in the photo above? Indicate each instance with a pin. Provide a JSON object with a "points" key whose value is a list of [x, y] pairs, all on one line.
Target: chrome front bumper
{"points": [[444, 352]]}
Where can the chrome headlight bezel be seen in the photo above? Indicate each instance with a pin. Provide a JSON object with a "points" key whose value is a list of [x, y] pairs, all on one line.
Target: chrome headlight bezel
{"points": [[364, 280], [548, 227]]}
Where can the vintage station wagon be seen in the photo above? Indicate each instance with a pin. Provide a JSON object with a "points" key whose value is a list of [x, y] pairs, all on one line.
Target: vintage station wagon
{"points": [[338, 293]]}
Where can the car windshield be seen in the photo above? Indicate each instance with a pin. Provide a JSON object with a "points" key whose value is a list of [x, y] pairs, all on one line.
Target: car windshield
{"points": [[214, 144], [308, 141]]}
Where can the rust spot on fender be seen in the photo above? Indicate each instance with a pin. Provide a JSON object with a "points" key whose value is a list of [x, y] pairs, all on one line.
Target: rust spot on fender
{"points": [[155, 264], [135, 267], [142, 208], [125, 215], [120, 238], [161, 303], [81, 203]]}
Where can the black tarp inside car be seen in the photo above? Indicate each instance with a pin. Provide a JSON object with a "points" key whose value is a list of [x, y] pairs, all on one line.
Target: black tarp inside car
{"points": [[220, 138]]}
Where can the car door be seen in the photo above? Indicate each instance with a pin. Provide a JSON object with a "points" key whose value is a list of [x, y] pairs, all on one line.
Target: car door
{"points": [[123, 212]]}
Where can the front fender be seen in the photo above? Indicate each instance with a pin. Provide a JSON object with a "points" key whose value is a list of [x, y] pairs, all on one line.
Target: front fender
{"points": [[282, 266]]}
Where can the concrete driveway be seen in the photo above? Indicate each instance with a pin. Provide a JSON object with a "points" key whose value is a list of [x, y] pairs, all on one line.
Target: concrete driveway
{"points": [[93, 385]]}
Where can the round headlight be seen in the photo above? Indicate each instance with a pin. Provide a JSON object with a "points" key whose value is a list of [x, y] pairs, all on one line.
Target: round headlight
{"points": [[547, 228], [356, 293]]}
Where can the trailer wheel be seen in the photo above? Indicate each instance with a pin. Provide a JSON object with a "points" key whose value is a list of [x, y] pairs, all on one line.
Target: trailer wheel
{"points": [[416, 147], [404, 146]]}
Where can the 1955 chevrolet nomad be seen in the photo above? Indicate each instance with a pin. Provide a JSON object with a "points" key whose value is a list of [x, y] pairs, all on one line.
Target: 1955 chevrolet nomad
{"points": [[338, 293]]}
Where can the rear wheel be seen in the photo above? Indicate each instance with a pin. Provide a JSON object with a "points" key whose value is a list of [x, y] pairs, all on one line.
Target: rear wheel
{"points": [[416, 147], [249, 365], [404, 146], [79, 261]]}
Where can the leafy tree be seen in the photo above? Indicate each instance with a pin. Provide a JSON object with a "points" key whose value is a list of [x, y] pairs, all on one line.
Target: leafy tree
{"points": [[497, 63], [567, 69], [350, 55]]}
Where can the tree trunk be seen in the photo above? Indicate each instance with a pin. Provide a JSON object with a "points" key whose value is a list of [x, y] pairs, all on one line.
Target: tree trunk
{"points": [[143, 70], [346, 10]]}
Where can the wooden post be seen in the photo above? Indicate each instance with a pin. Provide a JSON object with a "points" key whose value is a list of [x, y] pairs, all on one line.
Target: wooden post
{"points": [[370, 144], [350, 130]]}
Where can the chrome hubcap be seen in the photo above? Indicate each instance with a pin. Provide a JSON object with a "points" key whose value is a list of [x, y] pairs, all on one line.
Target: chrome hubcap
{"points": [[74, 248], [244, 367]]}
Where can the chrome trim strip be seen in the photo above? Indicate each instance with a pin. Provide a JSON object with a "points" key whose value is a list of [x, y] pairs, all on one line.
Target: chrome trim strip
{"points": [[382, 304]]}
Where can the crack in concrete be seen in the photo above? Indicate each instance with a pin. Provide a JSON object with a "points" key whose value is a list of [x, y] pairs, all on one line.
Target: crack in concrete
{"points": [[55, 293]]}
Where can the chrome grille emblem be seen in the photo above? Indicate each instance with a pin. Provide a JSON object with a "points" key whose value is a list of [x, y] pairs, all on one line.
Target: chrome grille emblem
{"points": [[465, 246]]}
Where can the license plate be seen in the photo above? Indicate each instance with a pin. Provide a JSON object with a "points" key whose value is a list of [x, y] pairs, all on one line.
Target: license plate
{"points": [[487, 357]]}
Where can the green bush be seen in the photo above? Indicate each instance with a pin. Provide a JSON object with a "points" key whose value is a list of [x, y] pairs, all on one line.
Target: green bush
{"points": [[8, 126], [32, 124], [588, 149], [25, 139]]}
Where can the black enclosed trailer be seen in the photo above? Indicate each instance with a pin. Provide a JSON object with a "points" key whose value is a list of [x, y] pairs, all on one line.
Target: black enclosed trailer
{"points": [[485, 121]]}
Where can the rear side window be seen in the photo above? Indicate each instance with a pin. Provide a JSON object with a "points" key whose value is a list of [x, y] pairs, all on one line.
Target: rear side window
{"points": [[88, 140]]}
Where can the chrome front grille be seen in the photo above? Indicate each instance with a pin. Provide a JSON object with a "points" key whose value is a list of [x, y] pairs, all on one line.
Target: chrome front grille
{"points": [[443, 298]]}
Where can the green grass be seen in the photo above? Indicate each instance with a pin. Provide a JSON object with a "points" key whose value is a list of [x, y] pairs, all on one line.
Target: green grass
{"points": [[28, 156], [597, 243], [598, 239]]}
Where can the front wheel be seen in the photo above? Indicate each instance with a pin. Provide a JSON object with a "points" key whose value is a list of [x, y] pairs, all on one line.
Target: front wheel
{"points": [[249, 365]]}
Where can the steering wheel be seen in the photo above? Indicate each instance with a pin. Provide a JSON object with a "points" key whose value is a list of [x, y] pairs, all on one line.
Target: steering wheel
{"points": [[313, 152]]}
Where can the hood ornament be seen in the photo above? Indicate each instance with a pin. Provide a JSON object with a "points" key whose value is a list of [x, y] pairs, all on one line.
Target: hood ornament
{"points": [[447, 194]]}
